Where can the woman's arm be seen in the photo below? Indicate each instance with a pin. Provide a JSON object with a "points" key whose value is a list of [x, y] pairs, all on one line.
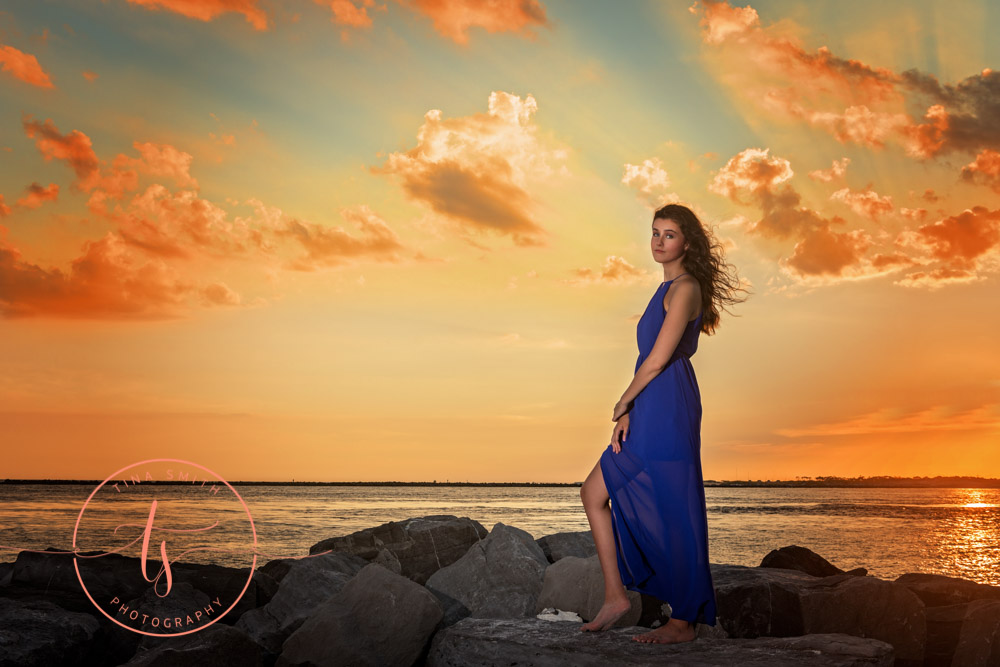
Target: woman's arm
{"points": [[684, 302]]}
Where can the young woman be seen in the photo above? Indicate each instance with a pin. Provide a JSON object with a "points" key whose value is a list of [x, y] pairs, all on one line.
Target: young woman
{"points": [[653, 538]]}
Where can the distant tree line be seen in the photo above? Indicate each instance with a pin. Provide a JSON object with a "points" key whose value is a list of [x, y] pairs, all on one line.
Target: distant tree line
{"points": [[954, 481]]}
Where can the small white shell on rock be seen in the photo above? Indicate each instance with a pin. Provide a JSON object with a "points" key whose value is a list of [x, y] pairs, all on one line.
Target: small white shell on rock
{"points": [[553, 614]]}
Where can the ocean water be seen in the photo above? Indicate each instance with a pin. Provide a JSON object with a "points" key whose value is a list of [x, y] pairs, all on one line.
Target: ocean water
{"points": [[888, 531]]}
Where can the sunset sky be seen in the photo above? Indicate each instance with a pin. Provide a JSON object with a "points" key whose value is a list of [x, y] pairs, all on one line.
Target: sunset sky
{"points": [[408, 240]]}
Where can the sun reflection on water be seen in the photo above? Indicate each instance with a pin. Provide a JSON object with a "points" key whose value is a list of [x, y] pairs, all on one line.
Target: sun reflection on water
{"points": [[969, 545]]}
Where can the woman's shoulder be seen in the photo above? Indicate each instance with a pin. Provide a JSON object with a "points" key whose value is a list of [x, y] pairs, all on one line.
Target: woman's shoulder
{"points": [[686, 282]]}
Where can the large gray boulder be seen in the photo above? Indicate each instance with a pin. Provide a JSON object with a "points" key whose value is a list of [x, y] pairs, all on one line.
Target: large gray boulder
{"points": [[415, 548], [6, 571], [499, 577], [112, 575], [42, 633], [937, 589], [559, 545], [379, 618], [979, 640], [480, 641], [957, 624], [218, 644], [754, 602], [805, 560], [577, 584], [308, 583]]}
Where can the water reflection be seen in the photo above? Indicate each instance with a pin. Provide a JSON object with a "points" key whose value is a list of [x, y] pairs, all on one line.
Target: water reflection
{"points": [[969, 545], [954, 532]]}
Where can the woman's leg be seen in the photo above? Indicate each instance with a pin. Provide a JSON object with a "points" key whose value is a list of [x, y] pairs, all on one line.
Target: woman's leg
{"points": [[595, 498]]}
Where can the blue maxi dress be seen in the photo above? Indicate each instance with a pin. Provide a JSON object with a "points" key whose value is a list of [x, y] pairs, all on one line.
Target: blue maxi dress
{"points": [[659, 517]]}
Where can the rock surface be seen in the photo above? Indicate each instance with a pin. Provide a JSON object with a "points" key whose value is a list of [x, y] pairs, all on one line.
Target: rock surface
{"points": [[559, 545], [415, 548], [340, 608], [794, 557], [577, 584], [112, 574], [756, 602], [500, 577], [979, 638], [535, 643], [937, 589], [218, 644], [308, 583], [42, 633], [379, 618]]}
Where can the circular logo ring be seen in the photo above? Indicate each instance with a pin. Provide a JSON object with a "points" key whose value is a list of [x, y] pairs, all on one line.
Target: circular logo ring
{"points": [[76, 564]]}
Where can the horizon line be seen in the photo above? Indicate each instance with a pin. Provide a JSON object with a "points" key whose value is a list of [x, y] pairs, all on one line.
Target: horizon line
{"points": [[448, 482]]}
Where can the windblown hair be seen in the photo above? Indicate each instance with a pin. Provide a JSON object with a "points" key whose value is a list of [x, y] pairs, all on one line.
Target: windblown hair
{"points": [[705, 260]]}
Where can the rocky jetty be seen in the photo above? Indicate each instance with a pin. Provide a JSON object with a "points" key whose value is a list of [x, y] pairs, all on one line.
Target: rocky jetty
{"points": [[441, 590]]}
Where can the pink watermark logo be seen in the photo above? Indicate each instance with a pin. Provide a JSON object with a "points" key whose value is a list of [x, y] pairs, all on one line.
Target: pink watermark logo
{"points": [[180, 518]]}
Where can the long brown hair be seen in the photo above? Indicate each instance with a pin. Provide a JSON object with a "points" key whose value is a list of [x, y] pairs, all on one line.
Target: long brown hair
{"points": [[705, 260]]}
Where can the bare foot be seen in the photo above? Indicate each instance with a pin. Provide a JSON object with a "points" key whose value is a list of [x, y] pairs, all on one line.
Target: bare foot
{"points": [[606, 617], [674, 631]]}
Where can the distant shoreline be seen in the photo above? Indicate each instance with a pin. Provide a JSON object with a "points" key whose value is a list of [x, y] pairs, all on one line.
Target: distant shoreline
{"points": [[822, 482]]}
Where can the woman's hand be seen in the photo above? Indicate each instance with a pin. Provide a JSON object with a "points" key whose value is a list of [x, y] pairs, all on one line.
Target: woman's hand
{"points": [[620, 409], [621, 428]]}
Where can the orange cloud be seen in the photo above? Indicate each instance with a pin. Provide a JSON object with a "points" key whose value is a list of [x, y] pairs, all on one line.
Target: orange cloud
{"points": [[751, 172], [133, 272], [163, 160], [916, 214], [853, 101], [122, 175], [835, 172], [475, 169], [809, 76], [326, 246], [74, 148], [105, 282], [23, 66], [219, 294], [885, 260], [38, 195], [825, 252], [206, 10], [179, 224], [888, 420], [755, 177], [985, 169], [925, 140], [960, 239], [452, 18], [345, 12], [650, 181], [962, 117], [937, 278], [721, 21], [867, 203], [616, 270], [4, 209], [89, 76], [859, 124]]}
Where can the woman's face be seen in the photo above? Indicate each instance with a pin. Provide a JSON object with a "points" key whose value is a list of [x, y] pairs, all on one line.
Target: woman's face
{"points": [[668, 242]]}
